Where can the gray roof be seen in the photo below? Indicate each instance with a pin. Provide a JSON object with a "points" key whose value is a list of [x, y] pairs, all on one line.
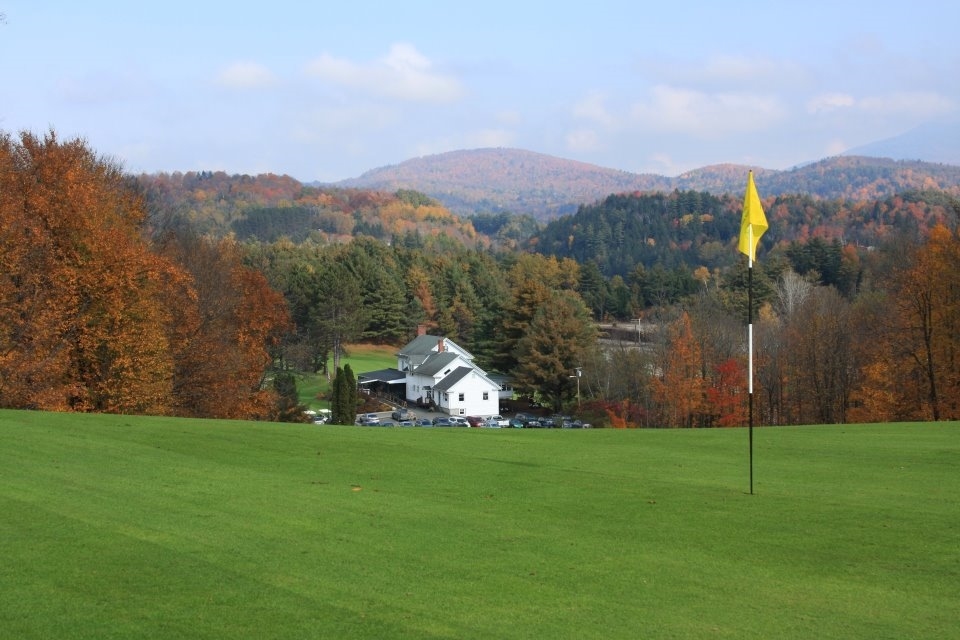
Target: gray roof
{"points": [[421, 346], [425, 345], [390, 376], [458, 374], [435, 363]]}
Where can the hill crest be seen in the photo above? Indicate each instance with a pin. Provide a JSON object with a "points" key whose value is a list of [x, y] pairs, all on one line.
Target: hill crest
{"points": [[545, 187]]}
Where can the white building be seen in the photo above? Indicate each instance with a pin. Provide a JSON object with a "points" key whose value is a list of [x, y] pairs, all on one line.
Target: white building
{"points": [[440, 372]]}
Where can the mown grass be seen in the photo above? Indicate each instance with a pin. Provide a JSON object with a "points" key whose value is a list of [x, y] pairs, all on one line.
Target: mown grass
{"points": [[360, 357], [120, 527]]}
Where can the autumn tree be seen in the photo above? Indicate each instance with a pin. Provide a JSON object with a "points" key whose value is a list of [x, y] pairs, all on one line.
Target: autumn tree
{"points": [[83, 316], [226, 318], [727, 393], [822, 364], [927, 303], [679, 387], [557, 341]]}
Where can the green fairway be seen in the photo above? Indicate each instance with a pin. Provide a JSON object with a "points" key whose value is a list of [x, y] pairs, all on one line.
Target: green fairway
{"points": [[130, 527]]}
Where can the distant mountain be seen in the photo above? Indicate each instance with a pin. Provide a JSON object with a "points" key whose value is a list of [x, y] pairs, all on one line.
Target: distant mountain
{"points": [[937, 141], [514, 180], [519, 181]]}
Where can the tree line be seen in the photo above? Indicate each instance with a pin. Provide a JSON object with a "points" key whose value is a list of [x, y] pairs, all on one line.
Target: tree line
{"points": [[836, 338], [110, 302]]}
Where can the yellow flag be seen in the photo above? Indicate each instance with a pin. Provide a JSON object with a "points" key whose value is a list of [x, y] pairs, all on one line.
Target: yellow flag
{"points": [[754, 223]]}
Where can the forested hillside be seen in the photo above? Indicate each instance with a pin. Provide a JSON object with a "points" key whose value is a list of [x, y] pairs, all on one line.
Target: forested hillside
{"points": [[267, 207], [697, 229], [199, 293], [518, 181], [512, 180]]}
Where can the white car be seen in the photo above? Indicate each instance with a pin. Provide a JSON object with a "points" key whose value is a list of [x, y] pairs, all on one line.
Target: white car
{"points": [[501, 421]]}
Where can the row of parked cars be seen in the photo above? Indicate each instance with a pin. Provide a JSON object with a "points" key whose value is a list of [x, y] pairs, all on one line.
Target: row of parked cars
{"points": [[527, 421], [405, 418]]}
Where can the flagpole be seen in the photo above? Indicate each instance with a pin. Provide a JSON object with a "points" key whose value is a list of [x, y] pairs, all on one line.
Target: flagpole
{"points": [[752, 226], [750, 353]]}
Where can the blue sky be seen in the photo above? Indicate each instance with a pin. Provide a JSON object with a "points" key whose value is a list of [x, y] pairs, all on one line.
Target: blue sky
{"points": [[326, 91]]}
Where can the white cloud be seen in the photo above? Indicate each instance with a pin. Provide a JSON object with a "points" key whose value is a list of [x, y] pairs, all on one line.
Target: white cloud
{"points": [[698, 113], [246, 75], [917, 104], [829, 102], [403, 73]]}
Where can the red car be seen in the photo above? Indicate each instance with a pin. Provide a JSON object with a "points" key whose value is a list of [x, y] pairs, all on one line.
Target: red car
{"points": [[475, 421]]}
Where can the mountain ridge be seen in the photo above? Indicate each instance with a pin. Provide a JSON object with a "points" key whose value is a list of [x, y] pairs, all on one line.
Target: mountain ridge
{"points": [[490, 180]]}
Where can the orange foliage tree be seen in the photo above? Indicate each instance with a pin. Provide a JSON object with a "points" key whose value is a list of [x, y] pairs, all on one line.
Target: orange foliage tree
{"points": [[727, 393], [83, 324], [92, 318], [678, 390], [225, 322]]}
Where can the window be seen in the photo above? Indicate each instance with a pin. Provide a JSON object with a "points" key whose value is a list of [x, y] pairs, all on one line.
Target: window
{"points": [[486, 395], [461, 397]]}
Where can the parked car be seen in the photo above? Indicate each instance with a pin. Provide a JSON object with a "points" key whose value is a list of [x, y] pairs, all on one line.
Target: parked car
{"points": [[369, 419], [490, 423], [424, 422], [516, 423], [402, 414], [458, 421], [475, 421], [406, 423], [442, 422], [501, 421]]}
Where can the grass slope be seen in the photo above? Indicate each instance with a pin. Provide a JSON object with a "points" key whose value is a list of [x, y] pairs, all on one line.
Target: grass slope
{"points": [[361, 358], [120, 527]]}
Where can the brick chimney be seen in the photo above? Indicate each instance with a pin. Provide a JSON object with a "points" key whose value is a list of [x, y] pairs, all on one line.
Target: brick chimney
{"points": [[440, 345]]}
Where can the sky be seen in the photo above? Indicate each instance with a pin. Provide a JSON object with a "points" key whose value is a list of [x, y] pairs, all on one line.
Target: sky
{"points": [[325, 91]]}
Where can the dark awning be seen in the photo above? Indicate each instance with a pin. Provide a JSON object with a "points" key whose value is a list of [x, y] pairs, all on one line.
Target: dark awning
{"points": [[386, 376]]}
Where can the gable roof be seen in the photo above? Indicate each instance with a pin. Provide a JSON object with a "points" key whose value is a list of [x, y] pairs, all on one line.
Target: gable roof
{"points": [[456, 376], [425, 345], [435, 363]]}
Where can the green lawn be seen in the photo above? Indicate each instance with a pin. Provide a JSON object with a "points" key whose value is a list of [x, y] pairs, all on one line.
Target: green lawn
{"points": [[361, 358], [123, 527]]}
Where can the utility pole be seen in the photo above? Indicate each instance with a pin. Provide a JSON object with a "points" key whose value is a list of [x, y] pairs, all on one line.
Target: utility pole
{"points": [[579, 371]]}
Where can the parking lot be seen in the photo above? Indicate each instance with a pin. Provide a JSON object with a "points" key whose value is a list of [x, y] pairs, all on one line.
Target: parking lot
{"points": [[519, 420]]}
